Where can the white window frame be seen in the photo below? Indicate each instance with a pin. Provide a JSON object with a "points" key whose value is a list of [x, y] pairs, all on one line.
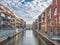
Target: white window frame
{"points": [[2, 14], [50, 13], [55, 11], [59, 19]]}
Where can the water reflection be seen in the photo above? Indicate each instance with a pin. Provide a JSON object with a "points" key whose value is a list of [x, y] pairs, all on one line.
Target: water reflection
{"points": [[27, 39], [16, 30], [41, 42], [16, 40]]}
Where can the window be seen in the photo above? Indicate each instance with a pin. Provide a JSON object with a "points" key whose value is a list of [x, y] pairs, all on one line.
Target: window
{"points": [[49, 13], [50, 29], [55, 11], [9, 17], [39, 18], [58, 31], [58, 20], [4, 19], [55, 21], [50, 23], [42, 20], [54, 31], [2, 8], [43, 13], [2, 22], [56, 2], [3, 15], [3, 26]]}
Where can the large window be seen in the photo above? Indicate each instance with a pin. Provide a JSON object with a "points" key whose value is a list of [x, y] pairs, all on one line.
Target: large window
{"points": [[58, 20], [43, 13], [55, 21], [43, 20], [50, 24], [58, 31], [1, 7], [39, 18], [54, 31], [49, 13], [56, 2], [55, 11], [9, 17], [3, 15], [2, 22]]}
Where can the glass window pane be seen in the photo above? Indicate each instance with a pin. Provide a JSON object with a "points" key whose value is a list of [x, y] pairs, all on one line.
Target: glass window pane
{"points": [[49, 13], [56, 2], [54, 32], [58, 31], [55, 11], [55, 21], [59, 20], [3, 15]]}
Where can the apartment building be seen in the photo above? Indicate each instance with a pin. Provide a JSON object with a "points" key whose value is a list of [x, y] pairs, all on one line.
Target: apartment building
{"points": [[34, 25], [44, 21], [49, 11], [22, 23], [39, 21], [56, 17], [4, 17], [8, 19]]}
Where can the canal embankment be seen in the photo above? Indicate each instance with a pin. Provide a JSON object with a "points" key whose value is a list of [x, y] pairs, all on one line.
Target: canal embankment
{"points": [[26, 39], [5, 35], [45, 38]]}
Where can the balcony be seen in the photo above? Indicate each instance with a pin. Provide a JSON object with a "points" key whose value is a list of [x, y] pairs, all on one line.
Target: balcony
{"points": [[2, 8]]}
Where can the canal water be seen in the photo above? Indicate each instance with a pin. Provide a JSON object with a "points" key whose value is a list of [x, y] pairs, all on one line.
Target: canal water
{"points": [[26, 39]]}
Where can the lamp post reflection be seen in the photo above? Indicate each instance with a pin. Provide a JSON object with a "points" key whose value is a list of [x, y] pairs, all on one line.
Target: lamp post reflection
{"points": [[16, 40], [16, 30]]}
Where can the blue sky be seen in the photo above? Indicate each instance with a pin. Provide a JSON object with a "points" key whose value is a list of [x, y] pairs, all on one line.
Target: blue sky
{"points": [[29, 10]]}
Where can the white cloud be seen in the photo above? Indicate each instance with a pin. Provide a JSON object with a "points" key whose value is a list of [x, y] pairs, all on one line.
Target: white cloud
{"points": [[29, 11]]}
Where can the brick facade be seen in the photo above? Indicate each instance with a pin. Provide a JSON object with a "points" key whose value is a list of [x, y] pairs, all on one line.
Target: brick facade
{"points": [[55, 17]]}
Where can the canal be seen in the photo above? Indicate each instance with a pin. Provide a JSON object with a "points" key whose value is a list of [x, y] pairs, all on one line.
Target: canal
{"points": [[27, 38]]}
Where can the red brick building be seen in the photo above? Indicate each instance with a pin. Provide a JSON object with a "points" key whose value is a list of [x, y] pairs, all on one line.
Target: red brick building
{"points": [[51, 20], [56, 17]]}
